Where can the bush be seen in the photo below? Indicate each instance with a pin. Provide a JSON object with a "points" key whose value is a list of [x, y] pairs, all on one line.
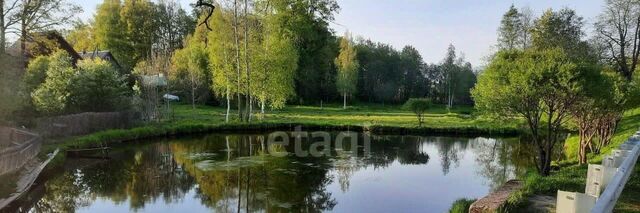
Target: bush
{"points": [[418, 106], [461, 205], [94, 86], [50, 97], [97, 87]]}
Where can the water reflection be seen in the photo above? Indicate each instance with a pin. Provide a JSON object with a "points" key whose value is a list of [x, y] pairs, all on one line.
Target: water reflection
{"points": [[237, 173]]}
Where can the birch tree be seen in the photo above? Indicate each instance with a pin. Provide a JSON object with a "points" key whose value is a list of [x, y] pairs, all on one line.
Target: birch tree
{"points": [[348, 66]]}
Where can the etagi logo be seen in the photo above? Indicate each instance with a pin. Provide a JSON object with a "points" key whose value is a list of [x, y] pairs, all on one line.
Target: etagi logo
{"points": [[319, 143]]}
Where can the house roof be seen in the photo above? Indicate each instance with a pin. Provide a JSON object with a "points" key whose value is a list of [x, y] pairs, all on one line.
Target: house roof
{"points": [[45, 43], [104, 55]]}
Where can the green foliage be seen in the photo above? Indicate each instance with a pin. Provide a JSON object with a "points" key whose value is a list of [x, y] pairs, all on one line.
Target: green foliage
{"points": [[531, 84], [510, 29], [418, 106], [51, 96], [461, 205], [111, 33], [138, 23], [82, 37], [97, 87], [36, 73], [94, 86], [562, 29], [191, 68], [347, 64], [306, 23]]}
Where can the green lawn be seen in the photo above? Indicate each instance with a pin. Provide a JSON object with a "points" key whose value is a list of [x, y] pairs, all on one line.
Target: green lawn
{"points": [[376, 115]]}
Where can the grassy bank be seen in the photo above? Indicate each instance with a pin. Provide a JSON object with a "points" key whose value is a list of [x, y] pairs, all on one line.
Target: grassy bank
{"points": [[377, 119], [572, 177]]}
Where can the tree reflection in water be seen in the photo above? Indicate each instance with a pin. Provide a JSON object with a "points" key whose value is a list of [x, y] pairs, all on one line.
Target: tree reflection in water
{"points": [[237, 173]]}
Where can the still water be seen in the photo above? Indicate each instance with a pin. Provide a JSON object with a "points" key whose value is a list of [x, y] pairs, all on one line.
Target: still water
{"points": [[241, 173]]}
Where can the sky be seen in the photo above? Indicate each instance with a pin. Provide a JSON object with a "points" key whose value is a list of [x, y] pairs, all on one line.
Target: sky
{"points": [[429, 25]]}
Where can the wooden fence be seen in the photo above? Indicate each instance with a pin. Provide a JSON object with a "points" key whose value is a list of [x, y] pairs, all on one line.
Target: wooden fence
{"points": [[84, 123], [20, 147]]}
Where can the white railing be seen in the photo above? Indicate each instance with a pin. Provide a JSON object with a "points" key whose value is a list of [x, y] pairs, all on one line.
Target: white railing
{"points": [[604, 182], [607, 200]]}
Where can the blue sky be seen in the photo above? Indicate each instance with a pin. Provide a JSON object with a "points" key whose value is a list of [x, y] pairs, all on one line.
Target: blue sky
{"points": [[429, 25]]}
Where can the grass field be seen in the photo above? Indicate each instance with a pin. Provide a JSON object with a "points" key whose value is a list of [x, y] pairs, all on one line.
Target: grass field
{"points": [[377, 115]]}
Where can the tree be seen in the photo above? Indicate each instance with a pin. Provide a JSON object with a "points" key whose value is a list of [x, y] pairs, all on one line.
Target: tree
{"points": [[275, 66], [8, 18], [139, 30], [526, 22], [173, 24], [451, 72], [82, 37], [510, 29], [347, 64], [108, 18], [307, 24], [36, 73], [534, 84], [192, 63], [618, 28], [418, 106], [221, 56], [590, 107], [412, 65], [51, 96], [562, 29], [43, 15]]}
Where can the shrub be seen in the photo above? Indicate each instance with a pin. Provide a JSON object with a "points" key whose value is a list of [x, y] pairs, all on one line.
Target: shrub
{"points": [[94, 86], [418, 106], [97, 87], [461, 205]]}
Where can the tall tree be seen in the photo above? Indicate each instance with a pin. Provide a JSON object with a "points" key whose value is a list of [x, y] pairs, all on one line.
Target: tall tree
{"points": [[526, 22], [510, 29], [191, 63], [173, 24], [307, 23], [139, 28], [222, 56], [618, 27], [562, 29], [451, 73], [42, 15], [8, 18], [347, 64], [82, 37], [108, 18], [412, 64]]}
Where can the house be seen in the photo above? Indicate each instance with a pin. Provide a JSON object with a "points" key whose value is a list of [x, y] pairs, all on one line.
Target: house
{"points": [[104, 55], [45, 43]]}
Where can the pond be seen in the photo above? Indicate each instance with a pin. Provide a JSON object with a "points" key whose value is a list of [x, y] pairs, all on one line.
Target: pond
{"points": [[249, 173]]}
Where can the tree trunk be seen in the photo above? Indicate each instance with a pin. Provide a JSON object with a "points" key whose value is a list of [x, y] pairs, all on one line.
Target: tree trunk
{"points": [[3, 31], [237, 49], [23, 36], [193, 95], [246, 61], [228, 105], [344, 103], [262, 110]]}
